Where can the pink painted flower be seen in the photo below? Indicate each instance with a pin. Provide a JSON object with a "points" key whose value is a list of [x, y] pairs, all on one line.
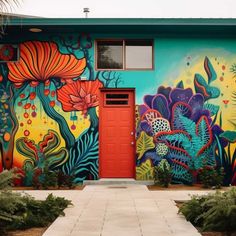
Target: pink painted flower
{"points": [[79, 95]]}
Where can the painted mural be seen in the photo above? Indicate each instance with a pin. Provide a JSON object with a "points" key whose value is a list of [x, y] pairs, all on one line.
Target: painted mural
{"points": [[49, 110], [43, 101], [179, 124]]}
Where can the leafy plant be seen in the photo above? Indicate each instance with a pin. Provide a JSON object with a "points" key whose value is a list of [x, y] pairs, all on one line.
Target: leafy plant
{"points": [[215, 212], [7, 177], [64, 180], [40, 213], [211, 177], [21, 212], [49, 178], [163, 173]]}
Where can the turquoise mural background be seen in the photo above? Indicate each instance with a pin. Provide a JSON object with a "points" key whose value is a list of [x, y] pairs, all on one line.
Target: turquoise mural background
{"points": [[177, 61]]}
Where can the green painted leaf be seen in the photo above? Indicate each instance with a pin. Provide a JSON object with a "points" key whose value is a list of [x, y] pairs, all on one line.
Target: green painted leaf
{"points": [[145, 171], [229, 136], [144, 143], [212, 108]]}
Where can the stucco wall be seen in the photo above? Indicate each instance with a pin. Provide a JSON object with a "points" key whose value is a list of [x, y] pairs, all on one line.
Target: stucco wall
{"points": [[185, 107]]}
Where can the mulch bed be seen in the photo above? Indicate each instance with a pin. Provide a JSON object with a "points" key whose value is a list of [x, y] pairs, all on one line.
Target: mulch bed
{"points": [[28, 232], [79, 187], [181, 187]]}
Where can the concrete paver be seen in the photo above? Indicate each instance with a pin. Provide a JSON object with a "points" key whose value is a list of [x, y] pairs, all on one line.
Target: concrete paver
{"points": [[130, 210]]}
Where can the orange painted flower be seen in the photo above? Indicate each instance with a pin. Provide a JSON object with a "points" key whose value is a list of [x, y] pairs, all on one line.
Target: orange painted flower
{"points": [[40, 61], [79, 95]]}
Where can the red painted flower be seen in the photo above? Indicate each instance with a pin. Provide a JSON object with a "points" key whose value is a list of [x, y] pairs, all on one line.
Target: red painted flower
{"points": [[41, 61], [79, 95]]}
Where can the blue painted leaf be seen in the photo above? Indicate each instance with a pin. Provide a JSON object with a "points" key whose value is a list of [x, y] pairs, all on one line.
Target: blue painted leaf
{"points": [[180, 84], [206, 90], [204, 133], [83, 158], [212, 108], [160, 104]]}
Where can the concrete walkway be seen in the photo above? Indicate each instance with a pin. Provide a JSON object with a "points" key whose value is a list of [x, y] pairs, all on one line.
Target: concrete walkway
{"points": [[130, 210]]}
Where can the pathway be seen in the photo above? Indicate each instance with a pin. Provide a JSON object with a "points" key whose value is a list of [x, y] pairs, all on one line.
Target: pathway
{"points": [[130, 210]]}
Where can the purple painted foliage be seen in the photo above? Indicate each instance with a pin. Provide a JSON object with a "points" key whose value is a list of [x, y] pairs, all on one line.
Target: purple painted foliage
{"points": [[167, 100]]}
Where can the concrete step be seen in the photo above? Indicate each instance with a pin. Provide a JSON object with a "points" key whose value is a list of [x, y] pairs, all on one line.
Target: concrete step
{"points": [[117, 181]]}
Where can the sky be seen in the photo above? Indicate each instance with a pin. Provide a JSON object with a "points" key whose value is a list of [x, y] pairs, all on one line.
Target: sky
{"points": [[129, 8]]}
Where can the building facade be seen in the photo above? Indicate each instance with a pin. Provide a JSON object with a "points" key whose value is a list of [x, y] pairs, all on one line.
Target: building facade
{"points": [[111, 98]]}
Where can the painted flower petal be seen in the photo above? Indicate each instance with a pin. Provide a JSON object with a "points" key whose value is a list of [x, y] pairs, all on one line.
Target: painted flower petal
{"points": [[148, 100], [181, 95], [41, 61], [160, 104], [196, 102]]}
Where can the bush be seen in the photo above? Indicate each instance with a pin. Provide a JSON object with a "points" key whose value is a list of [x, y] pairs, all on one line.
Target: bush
{"points": [[7, 178], [64, 180], [40, 213], [22, 212], [214, 212], [162, 174], [211, 177]]}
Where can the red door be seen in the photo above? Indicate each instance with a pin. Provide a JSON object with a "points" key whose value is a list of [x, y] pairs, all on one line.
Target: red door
{"points": [[116, 134]]}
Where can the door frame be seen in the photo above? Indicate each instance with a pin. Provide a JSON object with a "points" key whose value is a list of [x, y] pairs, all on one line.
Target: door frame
{"points": [[101, 101]]}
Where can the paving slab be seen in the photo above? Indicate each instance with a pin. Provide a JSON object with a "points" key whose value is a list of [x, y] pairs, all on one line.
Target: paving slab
{"points": [[123, 210]]}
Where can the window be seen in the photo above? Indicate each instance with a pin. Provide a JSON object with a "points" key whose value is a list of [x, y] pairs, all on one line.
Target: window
{"points": [[110, 54], [117, 99], [124, 54]]}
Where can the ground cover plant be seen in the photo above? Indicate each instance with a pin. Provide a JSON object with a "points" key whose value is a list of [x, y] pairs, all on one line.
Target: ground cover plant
{"points": [[19, 211], [213, 212]]}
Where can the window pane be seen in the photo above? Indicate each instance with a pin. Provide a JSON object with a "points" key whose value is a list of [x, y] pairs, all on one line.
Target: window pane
{"points": [[110, 55], [117, 96], [138, 54]]}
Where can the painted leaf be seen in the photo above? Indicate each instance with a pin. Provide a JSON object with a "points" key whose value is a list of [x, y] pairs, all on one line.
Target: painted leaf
{"points": [[206, 90], [145, 171], [57, 158], [160, 104], [212, 108], [203, 131], [144, 143], [27, 148], [176, 137], [229, 136], [179, 109], [83, 157], [183, 123], [180, 84], [50, 142], [209, 70]]}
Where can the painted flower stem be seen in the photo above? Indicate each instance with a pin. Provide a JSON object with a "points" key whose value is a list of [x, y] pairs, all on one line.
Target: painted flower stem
{"points": [[50, 111], [93, 117]]}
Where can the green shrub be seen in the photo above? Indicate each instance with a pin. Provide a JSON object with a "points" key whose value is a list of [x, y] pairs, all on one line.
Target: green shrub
{"points": [[162, 174], [22, 212], [64, 180], [49, 178], [40, 213], [211, 177], [7, 177], [214, 212], [10, 203]]}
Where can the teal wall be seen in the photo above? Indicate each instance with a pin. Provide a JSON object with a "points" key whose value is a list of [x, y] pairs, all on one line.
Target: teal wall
{"points": [[202, 68]]}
